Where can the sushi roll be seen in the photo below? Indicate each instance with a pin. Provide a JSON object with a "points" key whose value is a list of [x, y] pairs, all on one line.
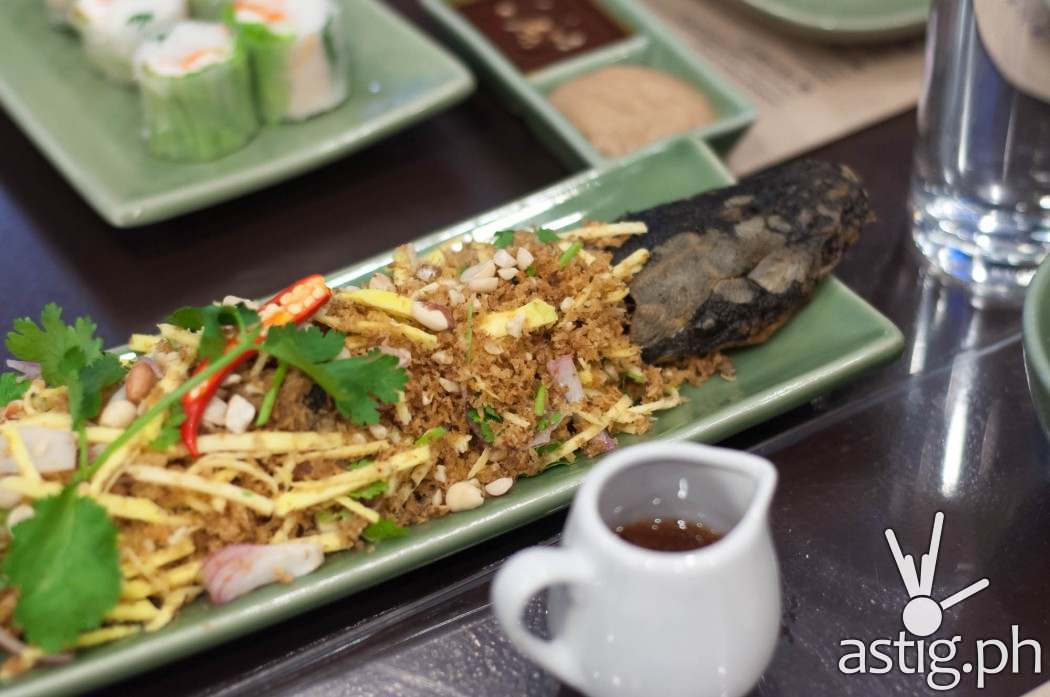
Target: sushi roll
{"points": [[113, 30], [298, 53], [209, 9], [196, 92]]}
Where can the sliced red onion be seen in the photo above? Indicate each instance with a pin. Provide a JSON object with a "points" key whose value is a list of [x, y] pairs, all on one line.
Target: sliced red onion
{"points": [[604, 441], [563, 370], [27, 368], [542, 437], [153, 365], [15, 647], [237, 569], [51, 450], [10, 643]]}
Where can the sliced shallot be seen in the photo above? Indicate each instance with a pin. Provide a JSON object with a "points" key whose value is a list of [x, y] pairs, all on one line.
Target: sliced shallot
{"points": [[604, 441], [28, 369], [14, 646], [542, 437], [237, 569], [563, 370], [50, 450], [403, 355]]}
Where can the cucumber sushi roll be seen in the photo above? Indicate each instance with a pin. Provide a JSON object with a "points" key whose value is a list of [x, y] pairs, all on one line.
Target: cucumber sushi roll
{"points": [[196, 92], [209, 9], [298, 53], [114, 29]]}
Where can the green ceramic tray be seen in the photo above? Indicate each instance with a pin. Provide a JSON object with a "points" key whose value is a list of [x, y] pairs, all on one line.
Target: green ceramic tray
{"points": [[651, 44], [846, 21], [831, 340], [89, 128]]}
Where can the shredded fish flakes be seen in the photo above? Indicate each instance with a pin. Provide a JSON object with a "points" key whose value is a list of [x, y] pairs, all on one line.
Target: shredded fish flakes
{"points": [[533, 368]]}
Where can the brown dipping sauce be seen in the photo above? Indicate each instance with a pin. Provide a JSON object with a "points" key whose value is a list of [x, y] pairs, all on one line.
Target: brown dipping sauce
{"points": [[667, 535], [536, 33]]}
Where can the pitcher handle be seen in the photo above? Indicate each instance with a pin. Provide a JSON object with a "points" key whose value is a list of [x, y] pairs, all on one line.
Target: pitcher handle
{"points": [[523, 576]]}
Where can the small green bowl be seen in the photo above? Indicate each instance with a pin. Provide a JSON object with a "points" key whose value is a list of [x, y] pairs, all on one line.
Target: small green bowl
{"points": [[1036, 328]]}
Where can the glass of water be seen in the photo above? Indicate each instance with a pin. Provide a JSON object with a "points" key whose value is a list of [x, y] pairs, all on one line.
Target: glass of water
{"points": [[981, 182]]}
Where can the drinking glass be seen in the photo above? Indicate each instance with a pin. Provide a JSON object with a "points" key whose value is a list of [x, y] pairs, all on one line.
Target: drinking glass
{"points": [[981, 180]]}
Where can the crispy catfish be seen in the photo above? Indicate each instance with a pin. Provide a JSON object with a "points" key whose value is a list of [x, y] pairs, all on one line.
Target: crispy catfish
{"points": [[729, 267]]}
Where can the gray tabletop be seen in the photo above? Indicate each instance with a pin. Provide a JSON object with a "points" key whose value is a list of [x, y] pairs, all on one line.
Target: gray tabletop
{"points": [[947, 427]]}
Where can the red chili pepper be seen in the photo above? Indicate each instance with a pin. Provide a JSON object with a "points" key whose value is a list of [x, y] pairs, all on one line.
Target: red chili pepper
{"points": [[296, 303]]}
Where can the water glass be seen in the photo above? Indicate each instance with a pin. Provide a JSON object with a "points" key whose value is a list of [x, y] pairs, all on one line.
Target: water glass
{"points": [[981, 181]]}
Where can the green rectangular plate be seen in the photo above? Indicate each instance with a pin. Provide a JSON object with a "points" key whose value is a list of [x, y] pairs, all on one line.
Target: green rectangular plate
{"points": [[90, 129], [652, 44], [831, 340]]}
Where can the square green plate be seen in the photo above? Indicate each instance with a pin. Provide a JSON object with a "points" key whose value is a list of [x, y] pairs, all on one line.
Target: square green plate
{"points": [[90, 129], [831, 340], [651, 45]]}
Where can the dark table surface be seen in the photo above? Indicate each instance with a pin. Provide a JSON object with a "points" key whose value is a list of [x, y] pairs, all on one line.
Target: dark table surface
{"points": [[947, 427]]}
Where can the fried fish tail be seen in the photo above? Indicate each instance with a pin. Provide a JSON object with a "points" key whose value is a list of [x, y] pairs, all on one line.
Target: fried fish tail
{"points": [[729, 266]]}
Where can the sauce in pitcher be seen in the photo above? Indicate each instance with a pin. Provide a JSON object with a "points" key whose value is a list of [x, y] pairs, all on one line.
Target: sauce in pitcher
{"points": [[667, 534]]}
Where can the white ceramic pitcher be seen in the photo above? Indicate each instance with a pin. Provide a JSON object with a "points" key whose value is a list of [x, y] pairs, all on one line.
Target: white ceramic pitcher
{"points": [[627, 620]]}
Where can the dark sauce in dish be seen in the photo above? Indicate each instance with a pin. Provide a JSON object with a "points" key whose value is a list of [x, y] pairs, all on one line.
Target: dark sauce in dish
{"points": [[535, 33], [667, 534]]}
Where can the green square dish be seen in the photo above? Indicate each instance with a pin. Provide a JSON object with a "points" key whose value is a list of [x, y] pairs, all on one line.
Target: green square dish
{"points": [[832, 340], [90, 129], [651, 44]]}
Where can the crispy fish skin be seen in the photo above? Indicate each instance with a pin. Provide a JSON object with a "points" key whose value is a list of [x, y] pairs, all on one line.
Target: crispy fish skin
{"points": [[730, 266]]}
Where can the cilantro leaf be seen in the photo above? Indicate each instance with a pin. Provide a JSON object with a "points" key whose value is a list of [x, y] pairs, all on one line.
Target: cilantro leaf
{"points": [[356, 384], [383, 529], [484, 430], [546, 236], [170, 433], [502, 239], [187, 317], [65, 564], [48, 343], [86, 382], [209, 321], [213, 319], [371, 491], [314, 345], [361, 381], [359, 464], [12, 387]]}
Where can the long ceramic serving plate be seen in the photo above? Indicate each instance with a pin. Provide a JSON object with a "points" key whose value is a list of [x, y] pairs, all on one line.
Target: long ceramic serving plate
{"points": [[90, 129], [651, 44], [830, 341], [846, 21]]}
